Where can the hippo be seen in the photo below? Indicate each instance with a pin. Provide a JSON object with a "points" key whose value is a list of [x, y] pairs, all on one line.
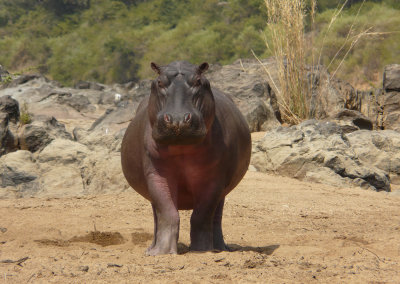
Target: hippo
{"points": [[186, 148]]}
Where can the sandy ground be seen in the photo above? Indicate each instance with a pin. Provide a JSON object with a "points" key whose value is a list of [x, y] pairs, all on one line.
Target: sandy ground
{"points": [[282, 231]]}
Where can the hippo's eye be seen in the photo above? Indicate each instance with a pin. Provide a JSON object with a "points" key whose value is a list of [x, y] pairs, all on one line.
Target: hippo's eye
{"points": [[197, 82], [161, 84]]}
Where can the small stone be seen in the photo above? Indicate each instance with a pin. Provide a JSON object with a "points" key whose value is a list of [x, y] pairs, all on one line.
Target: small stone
{"points": [[84, 268]]}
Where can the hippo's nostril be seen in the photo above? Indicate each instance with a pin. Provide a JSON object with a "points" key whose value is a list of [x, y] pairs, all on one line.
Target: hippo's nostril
{"points": [[187, 117], [167, 118]]}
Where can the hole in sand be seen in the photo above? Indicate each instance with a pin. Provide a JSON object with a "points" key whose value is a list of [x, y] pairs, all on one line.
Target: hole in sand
{"points": [[100, 238], [141, 237]]}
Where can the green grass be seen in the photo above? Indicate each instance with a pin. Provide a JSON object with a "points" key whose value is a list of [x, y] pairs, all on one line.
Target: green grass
{"points": [[114, 41]]}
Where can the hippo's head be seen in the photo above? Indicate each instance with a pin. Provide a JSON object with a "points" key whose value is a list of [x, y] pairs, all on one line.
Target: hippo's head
{"points": [[181, 106]]}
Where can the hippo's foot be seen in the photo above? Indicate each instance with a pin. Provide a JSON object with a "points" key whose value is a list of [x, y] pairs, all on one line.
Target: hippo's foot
{"points": [[166, 232], [221, 246], [157, 250]]}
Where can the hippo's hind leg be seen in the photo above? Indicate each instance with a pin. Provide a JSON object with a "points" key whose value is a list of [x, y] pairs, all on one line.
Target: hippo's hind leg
{"points": [[166, 219], [218, 238]]}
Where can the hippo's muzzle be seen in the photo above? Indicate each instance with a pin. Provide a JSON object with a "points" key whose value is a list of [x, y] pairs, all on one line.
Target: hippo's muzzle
{"points": [[179, 128]]}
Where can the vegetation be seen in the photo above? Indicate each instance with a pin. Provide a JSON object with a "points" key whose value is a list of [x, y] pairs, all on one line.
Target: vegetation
{"points": [[25, 117], [114, 41], [287, 43], [338, 38]]}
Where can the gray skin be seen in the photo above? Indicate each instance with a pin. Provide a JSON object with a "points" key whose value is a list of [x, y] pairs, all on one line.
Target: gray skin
{"points": [[187, 148]]}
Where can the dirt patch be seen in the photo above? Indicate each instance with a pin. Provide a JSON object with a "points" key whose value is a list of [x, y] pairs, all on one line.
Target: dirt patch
{"points": [[100, 238]]}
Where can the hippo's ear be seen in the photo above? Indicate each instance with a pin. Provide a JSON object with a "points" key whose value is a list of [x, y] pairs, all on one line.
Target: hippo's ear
{"points": [[203, 67], [155, 67]]}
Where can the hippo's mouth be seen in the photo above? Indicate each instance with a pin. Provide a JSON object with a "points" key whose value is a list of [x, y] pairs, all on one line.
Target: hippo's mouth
{"points": [[179, 137]]}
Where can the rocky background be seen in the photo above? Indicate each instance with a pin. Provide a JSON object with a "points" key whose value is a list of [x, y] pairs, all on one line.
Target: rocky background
{"points": [[58, 141]]}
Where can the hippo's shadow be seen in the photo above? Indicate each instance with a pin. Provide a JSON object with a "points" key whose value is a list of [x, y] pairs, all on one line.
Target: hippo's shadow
{"points": [[268, 250]]}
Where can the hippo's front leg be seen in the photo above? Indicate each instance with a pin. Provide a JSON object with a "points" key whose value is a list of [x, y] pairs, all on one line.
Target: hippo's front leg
{"points": [[202, 219], [218, 238], [166, 216]]}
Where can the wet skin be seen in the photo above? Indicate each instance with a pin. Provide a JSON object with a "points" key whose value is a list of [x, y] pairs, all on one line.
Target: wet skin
{"points": [[187, 148]]}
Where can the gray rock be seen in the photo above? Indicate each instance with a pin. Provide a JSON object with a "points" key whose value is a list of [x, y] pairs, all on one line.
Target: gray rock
{"points": [[89, 85], [380, 149], [62, 151], [38, 134], [352, 120], [301, 151], [9, 142], [11, 107], [78, 102], [19, 176], [391, 78], [116, 118], [245, 83]]}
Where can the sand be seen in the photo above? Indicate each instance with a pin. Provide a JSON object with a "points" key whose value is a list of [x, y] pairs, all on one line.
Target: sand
{"points": [[282, 231]]}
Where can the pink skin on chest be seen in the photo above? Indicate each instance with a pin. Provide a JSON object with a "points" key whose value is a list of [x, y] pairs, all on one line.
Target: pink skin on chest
{"points": [[185, 171]]}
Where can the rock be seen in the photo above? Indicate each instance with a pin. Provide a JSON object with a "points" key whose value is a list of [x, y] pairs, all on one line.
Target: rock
{"points": [[380, 149], [352, 120], [99, 139], [138, 91], [301, 151], [83, 268], [11, 107], [19, 176], [9, 142], [40, 133], [9, 117], [62, 151], [391, 78], [329, 95], [244, 82], [102, 173], [116, 118], [391, 111], [89, 85], [77, 101], [22, 79]]}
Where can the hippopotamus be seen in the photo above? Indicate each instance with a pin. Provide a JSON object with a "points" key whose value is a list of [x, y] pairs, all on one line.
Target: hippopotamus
{"points": [[186, 148]]}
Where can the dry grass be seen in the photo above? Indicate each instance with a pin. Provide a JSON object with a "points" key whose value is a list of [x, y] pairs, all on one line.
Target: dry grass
{"points": [[286, 24], [287, 43]]}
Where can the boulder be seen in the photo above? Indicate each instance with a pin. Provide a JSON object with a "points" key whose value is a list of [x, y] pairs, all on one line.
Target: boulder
{"points": [[98, 139], [351, 120], [78, 102], [391, 78], [38, 134], [391, 110], [10, 106], [380, 149], [63, 152], [116, 118], [19, 175], [245, 83], [9, 117], [301, 151], [89, 85], [9, 142]]}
